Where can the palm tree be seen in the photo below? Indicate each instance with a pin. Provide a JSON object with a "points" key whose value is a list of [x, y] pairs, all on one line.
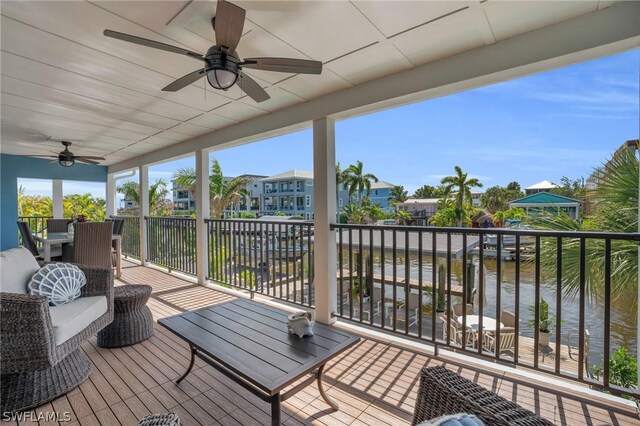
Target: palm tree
{"points": [[158, 193], [222, 192], [615, 210], [357, 180], [461, 185], [402, 216], [398, 195]]}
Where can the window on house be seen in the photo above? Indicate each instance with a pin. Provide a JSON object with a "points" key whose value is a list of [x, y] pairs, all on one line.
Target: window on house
{"points": [[340, 202], [308, 200], [309, 183]]}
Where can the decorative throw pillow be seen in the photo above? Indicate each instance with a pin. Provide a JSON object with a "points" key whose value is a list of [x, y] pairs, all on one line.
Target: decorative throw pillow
{"points": [[59, 282], [461, 419]]}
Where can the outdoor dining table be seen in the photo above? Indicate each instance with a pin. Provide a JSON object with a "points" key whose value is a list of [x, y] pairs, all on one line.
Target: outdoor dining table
{"points": [[473, 321], [55, 238]]}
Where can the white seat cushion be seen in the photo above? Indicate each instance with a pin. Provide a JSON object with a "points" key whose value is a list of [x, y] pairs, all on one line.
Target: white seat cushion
{"points": [[16, 268], [73, 317]]}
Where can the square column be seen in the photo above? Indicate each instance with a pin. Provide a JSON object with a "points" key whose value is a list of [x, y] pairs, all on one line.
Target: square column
{"points": [[143, 172], [202, 213], [324, 193], [58, 197], [111, 196]]}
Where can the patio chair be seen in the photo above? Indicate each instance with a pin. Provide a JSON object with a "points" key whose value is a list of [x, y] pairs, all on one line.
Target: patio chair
{"points": [[457, 309], [443, 392], [40, 355], [29, 243], [118, 229], [455, 331], [58, 225], [507, 318], [91, 245], [507, 341]]}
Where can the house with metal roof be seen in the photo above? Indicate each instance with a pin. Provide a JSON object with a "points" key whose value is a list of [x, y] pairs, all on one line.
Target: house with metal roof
{"points": [[542, 186], [542, 202]]}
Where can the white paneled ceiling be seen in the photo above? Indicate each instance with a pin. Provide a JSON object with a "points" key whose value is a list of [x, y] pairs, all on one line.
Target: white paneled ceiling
{"points": [[62, 79]]}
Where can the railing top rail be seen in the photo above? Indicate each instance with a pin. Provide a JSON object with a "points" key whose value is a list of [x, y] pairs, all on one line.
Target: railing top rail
{"points": [[275, 222], [169, 217], [495, 231]]}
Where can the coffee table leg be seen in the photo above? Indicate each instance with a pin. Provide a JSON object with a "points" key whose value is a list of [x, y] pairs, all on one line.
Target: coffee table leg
{"points": [[275, 410], [194, 351], [326, 398]]}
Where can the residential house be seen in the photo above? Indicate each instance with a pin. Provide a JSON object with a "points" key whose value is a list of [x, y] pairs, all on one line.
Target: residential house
{"points": [[546, 202], [629, 146], [421, 209], [542, 186], [290, 192], [183, 198]]}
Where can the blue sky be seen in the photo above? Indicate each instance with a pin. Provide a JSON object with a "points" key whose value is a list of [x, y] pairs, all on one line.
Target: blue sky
{"points": [[558, 123]]}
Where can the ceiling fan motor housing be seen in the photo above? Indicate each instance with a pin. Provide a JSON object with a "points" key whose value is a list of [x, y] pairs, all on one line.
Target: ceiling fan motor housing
{"points": [[222, 68]]}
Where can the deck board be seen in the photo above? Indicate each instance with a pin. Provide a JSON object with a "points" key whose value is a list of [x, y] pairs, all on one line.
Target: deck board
{"points": [[375, 382]]}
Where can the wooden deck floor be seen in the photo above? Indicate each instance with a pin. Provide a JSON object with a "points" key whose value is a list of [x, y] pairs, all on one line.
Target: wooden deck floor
{"points": [[375, 383]]}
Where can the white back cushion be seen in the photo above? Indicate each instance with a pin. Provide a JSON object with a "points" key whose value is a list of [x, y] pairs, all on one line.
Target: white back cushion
{"points": [[16, 268]]}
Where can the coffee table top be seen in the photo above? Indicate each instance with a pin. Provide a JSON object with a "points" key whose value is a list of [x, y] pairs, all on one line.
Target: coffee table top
{"points": [[251, 340]]}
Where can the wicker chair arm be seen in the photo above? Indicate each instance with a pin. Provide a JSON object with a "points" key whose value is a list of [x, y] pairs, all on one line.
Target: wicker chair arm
{"points": [[99, 282], [27, 341]]}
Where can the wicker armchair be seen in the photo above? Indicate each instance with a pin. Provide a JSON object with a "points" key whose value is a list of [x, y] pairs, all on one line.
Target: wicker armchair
{"points": [[34, 368], [443, 392]]}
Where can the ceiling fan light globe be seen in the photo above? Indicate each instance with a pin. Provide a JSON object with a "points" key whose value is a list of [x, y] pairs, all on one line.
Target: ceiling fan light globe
{"points": [[221, 78], [65, 162]]}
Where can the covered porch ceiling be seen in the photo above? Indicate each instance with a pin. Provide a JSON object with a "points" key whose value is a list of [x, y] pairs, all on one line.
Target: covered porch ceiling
{"points": [[62, 79]]}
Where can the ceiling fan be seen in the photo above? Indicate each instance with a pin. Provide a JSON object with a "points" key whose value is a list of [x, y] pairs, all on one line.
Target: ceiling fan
{"points": [[67, 159], [222, 65]]}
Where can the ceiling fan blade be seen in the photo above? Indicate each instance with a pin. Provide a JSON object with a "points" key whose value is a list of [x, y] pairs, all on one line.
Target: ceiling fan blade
{"points": [[80, 160], [229, 23], [297, 66], [88, 157], [40, 156], [151, 43], [184, 81], [252, 88]]}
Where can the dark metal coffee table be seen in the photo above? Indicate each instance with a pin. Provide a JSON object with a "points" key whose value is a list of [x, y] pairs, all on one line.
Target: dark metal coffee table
{"points": [[249, 343]]}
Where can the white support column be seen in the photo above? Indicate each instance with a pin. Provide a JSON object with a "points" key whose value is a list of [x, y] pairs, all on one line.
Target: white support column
{"points": [[143, 172], [202, 213], [324, 193], [111, 196], [56, 188]]}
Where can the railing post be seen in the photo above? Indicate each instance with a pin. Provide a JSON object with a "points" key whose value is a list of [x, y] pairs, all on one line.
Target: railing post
{"points": [[144, 211], [202, 213], [324, 192], [57, 204]]}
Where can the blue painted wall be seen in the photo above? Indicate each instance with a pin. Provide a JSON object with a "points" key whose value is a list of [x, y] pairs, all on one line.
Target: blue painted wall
{"points": [[13, 167]]}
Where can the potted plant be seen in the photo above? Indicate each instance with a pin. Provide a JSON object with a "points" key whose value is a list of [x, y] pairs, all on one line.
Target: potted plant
{"points": [[545, 322]]}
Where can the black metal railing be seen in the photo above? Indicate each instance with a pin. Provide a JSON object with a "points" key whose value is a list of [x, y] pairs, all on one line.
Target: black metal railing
{"points": [[495, 293], [130, 236], [171, 242], [274, 258], [38, 225]]}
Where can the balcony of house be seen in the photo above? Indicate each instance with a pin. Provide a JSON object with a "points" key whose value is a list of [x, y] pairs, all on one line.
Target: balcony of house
{"points": [[278, 320], [444, 312]]}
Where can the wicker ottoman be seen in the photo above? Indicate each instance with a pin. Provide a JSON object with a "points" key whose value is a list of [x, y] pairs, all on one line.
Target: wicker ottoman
{"points": [[132, 320]]}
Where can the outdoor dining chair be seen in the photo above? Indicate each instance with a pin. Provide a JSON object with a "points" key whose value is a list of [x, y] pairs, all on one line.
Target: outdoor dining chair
{"points": [[30, 243], [118, 228], [507, 341], [58, 225], [457, 309], [507, 318], [91, 245]]}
